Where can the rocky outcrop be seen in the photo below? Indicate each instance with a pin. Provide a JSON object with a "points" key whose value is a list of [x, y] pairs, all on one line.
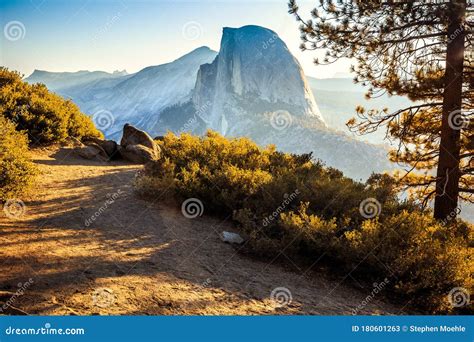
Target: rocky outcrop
{"points": [[137, 146], [94, 148], [110, 147], [134, 136], [138, 154], [92, 152], [254, 73]]}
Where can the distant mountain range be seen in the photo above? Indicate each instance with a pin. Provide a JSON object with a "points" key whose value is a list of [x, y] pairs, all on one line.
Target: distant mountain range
{"points": [[136, 98], [252, 87], [63, 80]]}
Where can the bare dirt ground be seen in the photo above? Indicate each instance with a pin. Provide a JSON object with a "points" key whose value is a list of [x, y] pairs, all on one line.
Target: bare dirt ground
{"points": [[140, 257]]}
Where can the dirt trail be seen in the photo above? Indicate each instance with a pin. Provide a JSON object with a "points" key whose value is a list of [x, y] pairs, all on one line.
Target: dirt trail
{"points": [[139, 257]]}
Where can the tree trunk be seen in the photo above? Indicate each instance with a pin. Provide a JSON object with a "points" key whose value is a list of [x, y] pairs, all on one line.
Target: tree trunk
{"points": [[447, 178]]}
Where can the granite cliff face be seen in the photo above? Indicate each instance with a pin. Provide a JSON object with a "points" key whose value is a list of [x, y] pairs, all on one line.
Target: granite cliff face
{"points": [[254, 73]]}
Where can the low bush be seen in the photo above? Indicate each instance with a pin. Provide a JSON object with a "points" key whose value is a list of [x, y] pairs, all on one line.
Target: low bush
{"points": [[292, 203], [43, 115], [16, 169], [422, 260]]}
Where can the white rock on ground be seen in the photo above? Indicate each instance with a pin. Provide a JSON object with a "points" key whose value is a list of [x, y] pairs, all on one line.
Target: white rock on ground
{"points": [[231, 238]]}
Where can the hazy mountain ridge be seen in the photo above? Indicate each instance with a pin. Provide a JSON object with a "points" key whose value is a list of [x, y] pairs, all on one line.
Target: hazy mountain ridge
{"points": [[136, 98], [62, 80]]}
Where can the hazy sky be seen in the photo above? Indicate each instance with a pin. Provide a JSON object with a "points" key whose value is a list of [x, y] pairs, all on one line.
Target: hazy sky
{"points": [[107, 35]]}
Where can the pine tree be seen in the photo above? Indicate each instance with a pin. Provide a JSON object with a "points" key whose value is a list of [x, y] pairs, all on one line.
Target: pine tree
{"points": [[422, 50]]}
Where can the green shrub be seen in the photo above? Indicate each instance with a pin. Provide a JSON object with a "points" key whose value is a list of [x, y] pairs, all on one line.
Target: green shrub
{"points": [[427, 259], [45, 116], [232, 174], [422, 259], [291, 203], [16, 169]]}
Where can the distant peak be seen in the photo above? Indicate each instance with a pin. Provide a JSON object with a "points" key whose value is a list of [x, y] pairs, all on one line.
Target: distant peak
{"points": [[202, 48], [248, 29], [37, 72], [200, 51]]}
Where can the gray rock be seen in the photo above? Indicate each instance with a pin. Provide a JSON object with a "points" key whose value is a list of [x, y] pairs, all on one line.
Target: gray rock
{"points": [[231, 238], [138, 154], [137, 146], [91, 152], [109, 146], [134, 136]]}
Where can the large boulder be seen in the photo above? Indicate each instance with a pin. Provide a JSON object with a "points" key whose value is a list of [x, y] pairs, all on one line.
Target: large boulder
{"points": [[109, 146], [138, 154], [134, 136], [92, 152], [137, 146]]}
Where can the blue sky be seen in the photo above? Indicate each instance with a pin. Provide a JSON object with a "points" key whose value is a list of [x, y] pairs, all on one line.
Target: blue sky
{"points": [[108, 35]]}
